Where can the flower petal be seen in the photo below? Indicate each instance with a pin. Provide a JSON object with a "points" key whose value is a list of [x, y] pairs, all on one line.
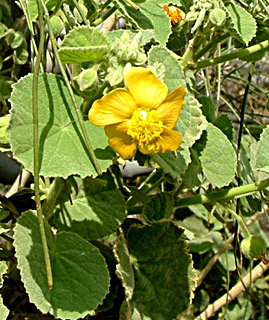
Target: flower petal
{"points": [[170, 140], [169, 110], [147, 90], [117, 106], [120, 141]]}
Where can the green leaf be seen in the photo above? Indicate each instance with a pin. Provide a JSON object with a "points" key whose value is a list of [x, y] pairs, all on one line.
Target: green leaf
{"points": [[191, 122], [62, 150], [159, 206], [260, 159], [96, 211], [208, 108], [3, 270], [4, 312], [218, 158], [124, 268], [149, 16], [84, 44], [80, 275], [224, 123], [173, 75], [174, 163], [242, 22], [163, 271]]}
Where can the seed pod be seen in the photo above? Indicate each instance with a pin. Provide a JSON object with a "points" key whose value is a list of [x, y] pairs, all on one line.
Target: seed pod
{"points": [[253, 247]]}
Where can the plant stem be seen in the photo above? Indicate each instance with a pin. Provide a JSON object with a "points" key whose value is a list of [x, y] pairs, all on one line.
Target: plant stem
{"points": [[240, 222], [234, 292], [219, 195], [210, 45], [36, 147], [52, 195], [231, 56], [79, 114], [223, 194], [104, 17]]}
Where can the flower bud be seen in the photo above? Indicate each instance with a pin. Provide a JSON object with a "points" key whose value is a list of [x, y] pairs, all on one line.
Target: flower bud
{"points": [[191, 16], [57, 25], [253, 247], [217, 17], [86, 79]]}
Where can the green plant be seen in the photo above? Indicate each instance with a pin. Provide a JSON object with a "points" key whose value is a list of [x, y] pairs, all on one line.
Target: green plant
{"points": [[85, 241]]}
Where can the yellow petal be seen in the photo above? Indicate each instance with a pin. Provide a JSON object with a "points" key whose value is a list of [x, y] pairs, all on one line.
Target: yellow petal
{"points": [[117, 106], [170, 140], [147, 90], [120, 141], [169, 110]]}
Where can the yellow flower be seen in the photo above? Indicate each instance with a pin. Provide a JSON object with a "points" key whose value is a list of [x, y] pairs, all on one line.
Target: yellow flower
{"points": [[142, 117], [173, 13]]}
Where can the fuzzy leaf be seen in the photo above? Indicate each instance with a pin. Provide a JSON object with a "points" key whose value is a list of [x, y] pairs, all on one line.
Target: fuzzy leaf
{"points": [[80, 275], [4, 312], [261, 155], [174, 163], [149, 16], [83, 44], [96, 211], [173, 73], [62, 150], [159, 206], [159, 250], [243, 23], [123, 268], [218, 158], [224, 123]]}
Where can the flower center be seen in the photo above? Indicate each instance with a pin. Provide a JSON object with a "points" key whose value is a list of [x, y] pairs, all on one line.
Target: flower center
{"points": [[145, 126]]}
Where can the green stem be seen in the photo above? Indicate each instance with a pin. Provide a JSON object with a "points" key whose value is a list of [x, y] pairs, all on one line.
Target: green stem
{"points": [[36, 147], [79, 114], [231, 56], [104, 17], [30, 27], [240, 222], [242, 122], [52, 195], [210, 45], [223, 194]]}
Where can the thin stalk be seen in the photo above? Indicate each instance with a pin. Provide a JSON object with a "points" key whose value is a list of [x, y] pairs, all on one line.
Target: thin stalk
{"points": [[231, 56], [52, 195], [210, 45], [219, 80], [79, 114], [240, 221], [36, 147], [219, 195], [104, 17], [264, 7], [223, 194]]}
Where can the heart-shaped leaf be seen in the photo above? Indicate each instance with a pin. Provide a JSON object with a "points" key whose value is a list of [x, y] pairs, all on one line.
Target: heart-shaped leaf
{"points": [[80, 275], [62, 150]]}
